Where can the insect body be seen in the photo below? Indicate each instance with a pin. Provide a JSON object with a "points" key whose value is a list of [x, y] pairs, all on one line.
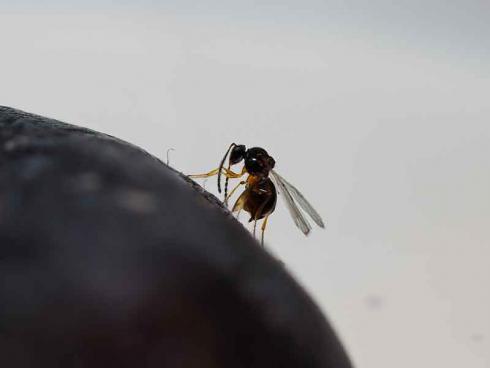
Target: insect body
{"points": [[260, 195]]}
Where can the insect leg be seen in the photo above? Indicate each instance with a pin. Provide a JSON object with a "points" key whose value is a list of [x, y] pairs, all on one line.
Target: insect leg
{"points": [[227, 173], [244, 171], [206, 175], [232, 175], [233, 191], [240, 202], [258, 215], [264, 225]]}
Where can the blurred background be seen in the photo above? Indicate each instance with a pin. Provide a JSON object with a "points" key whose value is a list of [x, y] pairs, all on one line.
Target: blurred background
{"points": [[377, 110]]}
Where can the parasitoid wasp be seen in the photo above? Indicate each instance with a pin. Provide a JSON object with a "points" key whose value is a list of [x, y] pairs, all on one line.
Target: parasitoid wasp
{"points": [[260, 195]]}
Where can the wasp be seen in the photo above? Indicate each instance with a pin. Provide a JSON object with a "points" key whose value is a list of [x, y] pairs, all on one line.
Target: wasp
{"points": [[262, 184]]}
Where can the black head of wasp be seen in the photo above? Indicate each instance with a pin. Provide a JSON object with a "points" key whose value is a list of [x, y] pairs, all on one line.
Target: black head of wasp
{"points": [[260, 195]]}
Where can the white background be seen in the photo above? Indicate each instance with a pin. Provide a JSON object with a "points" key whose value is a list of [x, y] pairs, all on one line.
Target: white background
{"points": [[378, 111]]}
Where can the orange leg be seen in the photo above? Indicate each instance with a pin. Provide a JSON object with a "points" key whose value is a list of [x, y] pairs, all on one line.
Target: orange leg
{"points": [[232, 175], [264, 225], [244, 171], [233, 191], [240, 202], [228, 173]]}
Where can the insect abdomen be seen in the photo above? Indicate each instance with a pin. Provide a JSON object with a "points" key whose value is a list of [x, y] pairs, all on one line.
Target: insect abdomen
{"points": [[261, 199]]}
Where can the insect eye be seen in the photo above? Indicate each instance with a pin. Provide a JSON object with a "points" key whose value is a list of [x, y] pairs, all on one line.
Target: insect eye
{"points": [[237, 154], [253, 166]]}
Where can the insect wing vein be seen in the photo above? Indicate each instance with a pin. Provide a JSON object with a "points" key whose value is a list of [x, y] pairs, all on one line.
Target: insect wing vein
{"points": [[296, 214], [303, 203]]}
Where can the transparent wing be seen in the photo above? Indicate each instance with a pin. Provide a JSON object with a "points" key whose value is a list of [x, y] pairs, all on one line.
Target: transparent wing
{"points": [[296, 214], [303, 203]]}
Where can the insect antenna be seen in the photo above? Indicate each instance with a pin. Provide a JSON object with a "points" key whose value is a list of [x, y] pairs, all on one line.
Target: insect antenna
{"points": [[226, 187], [221, 167]]}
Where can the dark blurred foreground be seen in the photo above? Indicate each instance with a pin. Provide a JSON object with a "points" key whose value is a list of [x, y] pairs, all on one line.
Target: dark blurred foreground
{"points": [[109, 258]]}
